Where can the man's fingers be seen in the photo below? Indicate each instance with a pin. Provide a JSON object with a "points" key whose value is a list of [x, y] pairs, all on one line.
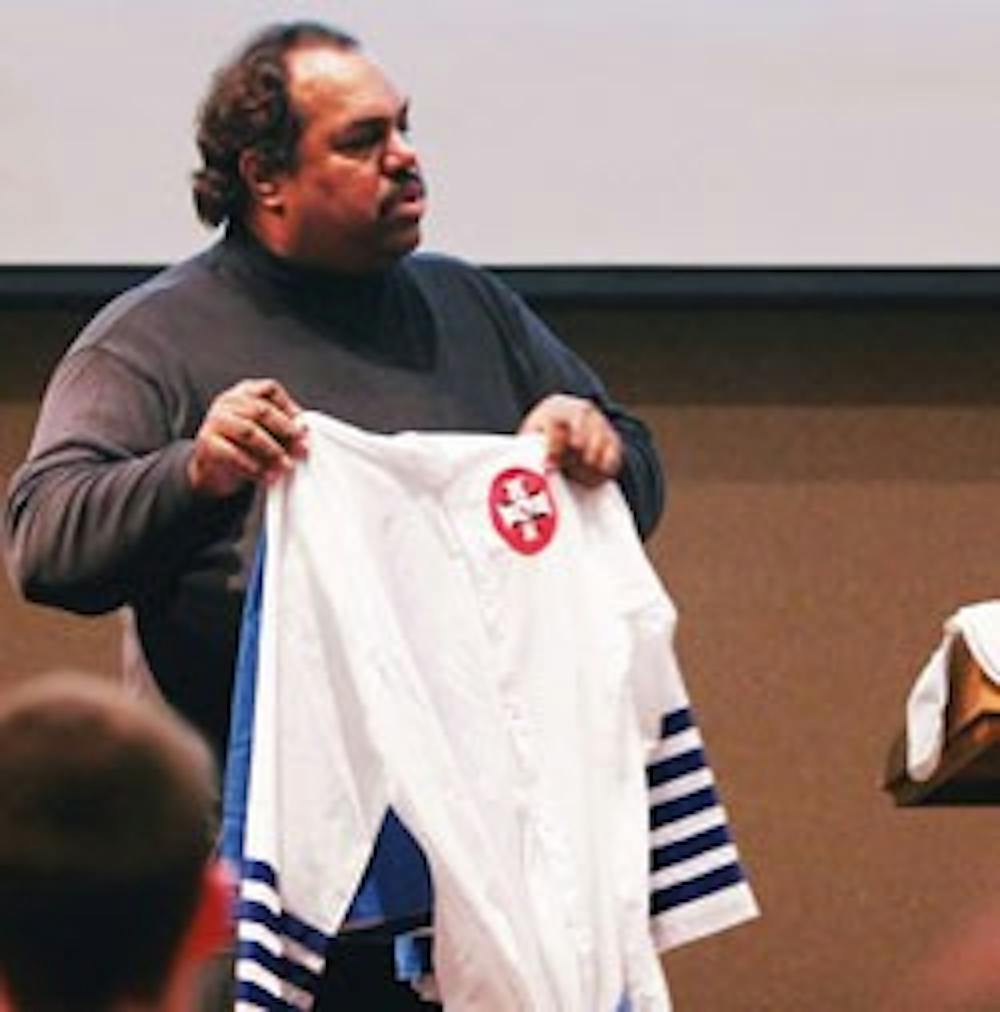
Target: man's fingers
{"points": [[271, 390], [602, 446], [267, 419], [223, 455], [268, 403], [600, 463], [610, 458], [580, 439], [252, 432], [252, 439], [557, 441]]}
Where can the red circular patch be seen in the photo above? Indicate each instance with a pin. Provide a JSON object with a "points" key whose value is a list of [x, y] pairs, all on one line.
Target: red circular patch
{"points": [[522, 509]]}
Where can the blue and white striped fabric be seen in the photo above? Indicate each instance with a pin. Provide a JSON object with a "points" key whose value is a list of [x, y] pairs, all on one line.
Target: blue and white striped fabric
{"points": [[697, 884], [274, 944], [271, 942]]}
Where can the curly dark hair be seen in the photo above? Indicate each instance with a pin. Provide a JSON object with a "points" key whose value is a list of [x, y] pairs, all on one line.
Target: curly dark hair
{"points": [[248, 107]]}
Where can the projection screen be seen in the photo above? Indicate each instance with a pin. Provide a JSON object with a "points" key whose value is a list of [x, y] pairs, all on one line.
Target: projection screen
{"points": [[553, 132]]}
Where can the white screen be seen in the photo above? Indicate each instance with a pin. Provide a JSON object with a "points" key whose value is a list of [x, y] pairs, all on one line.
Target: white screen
{"points": [[553, 132]]}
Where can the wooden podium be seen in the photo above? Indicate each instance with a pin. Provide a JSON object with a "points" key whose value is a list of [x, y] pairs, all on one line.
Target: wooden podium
{"points": [[969, 771]]}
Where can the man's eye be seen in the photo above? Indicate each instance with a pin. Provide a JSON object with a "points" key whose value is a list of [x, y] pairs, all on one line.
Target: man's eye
{"points": [[359, 142]]}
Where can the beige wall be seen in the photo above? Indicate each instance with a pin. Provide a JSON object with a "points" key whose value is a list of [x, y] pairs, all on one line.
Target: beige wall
{"points": [[32, 638], [833, 497]]}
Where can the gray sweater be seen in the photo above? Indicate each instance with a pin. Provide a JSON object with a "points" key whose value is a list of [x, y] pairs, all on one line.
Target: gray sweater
{"points": [[101, 513]]}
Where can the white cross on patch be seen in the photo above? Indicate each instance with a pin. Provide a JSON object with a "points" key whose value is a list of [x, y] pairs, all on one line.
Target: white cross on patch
{"points": [[523, 508]]}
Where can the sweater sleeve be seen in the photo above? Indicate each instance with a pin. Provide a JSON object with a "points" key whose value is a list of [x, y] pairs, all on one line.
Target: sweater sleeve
{"points": [[101, 512], [547, 366]]}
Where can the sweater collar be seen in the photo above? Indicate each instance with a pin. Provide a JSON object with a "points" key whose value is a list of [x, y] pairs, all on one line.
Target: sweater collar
{"points": [[300, 282]]}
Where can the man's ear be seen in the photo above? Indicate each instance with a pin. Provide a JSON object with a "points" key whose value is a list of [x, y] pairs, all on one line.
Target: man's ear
{"points": [[211, 927], [263, 185]]}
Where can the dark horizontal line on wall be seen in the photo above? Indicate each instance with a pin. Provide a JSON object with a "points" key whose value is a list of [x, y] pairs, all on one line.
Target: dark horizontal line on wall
{"points": [[758, 286], [74, 285]]}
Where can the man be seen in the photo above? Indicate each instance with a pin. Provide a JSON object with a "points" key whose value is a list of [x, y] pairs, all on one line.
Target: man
{"points": [[181, 399], [109, 898]]}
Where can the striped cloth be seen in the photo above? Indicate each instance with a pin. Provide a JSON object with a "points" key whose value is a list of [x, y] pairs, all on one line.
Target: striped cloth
{"points": [[697, 884]]}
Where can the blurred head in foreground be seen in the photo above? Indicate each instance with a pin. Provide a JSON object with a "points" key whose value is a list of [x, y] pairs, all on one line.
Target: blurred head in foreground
{"points": [[109, 896]]}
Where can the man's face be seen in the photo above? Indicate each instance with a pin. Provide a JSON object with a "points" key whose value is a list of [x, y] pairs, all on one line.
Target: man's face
{"points": [[354, 200]]}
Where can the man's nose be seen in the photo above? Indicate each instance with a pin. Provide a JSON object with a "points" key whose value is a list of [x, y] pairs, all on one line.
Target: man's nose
{"points": [[400, 153]]}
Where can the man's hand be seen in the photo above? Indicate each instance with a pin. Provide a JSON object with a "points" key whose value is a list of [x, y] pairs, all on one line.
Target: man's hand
{"points": [[251, 433], [581, 441]]}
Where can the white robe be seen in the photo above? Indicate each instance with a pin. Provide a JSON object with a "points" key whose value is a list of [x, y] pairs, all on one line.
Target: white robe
{"points": [[450, 630]]}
